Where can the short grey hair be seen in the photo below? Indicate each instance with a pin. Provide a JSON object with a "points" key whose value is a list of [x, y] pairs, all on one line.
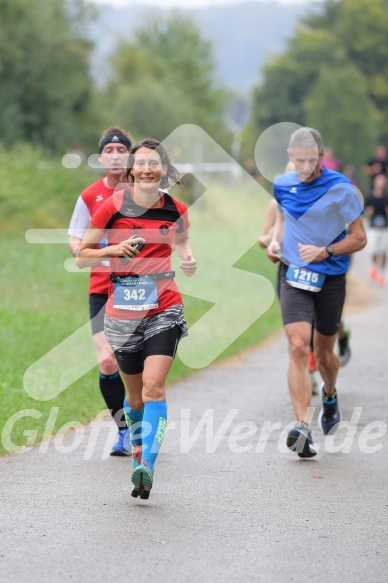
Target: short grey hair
{"points": [[306, 138]]}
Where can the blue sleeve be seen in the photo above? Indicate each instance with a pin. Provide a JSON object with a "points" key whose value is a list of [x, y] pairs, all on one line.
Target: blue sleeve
{"points": [[351, 203]]}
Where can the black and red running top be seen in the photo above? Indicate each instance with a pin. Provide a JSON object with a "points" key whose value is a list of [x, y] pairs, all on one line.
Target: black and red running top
{"points": [[121, 218]]}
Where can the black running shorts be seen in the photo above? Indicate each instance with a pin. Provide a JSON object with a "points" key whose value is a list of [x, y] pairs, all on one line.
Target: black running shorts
{"points": [[134, 340], [324, 308], [97, 303]]}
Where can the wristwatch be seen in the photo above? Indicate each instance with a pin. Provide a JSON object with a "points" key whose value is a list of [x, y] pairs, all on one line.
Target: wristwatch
{"points": [[330, 250]]}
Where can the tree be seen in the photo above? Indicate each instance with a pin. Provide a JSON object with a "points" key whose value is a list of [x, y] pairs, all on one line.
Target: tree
{"points": [[166, 77], [44, 71], [287, 81], [334, 106], [148, 108], [342, 35], [361, 27]]}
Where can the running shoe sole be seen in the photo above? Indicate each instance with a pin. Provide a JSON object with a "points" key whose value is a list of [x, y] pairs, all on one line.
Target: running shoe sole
{"points": [[142, 479]]}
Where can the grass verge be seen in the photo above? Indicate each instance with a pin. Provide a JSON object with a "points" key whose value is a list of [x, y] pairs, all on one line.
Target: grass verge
{"points": [[43, 304]]}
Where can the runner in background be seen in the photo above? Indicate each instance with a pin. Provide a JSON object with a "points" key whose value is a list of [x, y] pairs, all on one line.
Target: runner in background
{"points": [[315, 258], [344, 351], [113, 148], [376, 208], [378, 164]]}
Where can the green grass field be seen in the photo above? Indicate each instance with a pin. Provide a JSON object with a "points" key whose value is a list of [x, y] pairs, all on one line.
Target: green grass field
{"points": [[42, 304]]}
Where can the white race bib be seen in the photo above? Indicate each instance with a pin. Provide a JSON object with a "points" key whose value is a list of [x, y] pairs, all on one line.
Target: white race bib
{"points": [[135, 293], [304, 278]]}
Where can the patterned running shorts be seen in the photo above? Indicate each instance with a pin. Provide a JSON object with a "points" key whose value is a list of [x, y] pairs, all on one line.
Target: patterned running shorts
{"points": [[130, 335]]}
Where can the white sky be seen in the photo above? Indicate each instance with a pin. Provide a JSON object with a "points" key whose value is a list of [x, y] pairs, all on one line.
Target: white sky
{"points": [[188, 3]]}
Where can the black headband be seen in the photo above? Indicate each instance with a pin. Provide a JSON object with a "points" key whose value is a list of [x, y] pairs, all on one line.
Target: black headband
{"points": [[115, 139]]}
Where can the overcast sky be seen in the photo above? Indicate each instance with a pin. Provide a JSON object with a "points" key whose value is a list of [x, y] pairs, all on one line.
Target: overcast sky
{"points": [[189, 3]]}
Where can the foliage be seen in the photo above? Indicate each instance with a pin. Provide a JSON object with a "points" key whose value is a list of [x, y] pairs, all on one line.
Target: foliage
{"points": [[290, 77], [146, 108], [44, 71], [308, 82], [341, 94], [165, 77], [37, 191], [363, 29]]}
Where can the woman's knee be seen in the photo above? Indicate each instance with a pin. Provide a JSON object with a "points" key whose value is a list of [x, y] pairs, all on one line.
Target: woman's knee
{"points": [[153, 388]]}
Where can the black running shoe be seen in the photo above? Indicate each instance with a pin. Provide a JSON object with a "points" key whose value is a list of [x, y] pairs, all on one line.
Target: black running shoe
{"points": [[330, 415], [344, 348], [299, 440]]}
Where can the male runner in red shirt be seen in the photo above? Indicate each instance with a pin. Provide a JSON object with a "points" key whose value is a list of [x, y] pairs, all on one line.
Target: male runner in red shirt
{"points": [[114, 146]]}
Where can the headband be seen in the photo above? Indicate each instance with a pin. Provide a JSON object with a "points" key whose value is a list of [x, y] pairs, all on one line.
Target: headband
{"points": [[115, 139]]}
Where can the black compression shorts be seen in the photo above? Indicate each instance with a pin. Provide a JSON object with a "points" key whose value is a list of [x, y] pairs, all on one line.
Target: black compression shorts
{"points": [[163, 343], [324, 308], [97, 303]]}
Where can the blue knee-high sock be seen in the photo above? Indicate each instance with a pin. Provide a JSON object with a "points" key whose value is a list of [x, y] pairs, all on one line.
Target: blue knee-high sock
{"points": [[154, 426], [133, 417]]}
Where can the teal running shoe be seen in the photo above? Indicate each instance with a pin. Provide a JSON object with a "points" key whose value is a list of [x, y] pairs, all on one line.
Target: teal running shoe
{"points": [[142, 479]]}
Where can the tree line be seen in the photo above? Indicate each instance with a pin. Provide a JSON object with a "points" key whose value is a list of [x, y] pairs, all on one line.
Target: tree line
{"points": [[163, 77], [333, 75]]}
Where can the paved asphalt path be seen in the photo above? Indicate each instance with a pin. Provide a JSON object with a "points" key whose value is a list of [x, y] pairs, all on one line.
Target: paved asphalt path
{"points": [[214, 515]]}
